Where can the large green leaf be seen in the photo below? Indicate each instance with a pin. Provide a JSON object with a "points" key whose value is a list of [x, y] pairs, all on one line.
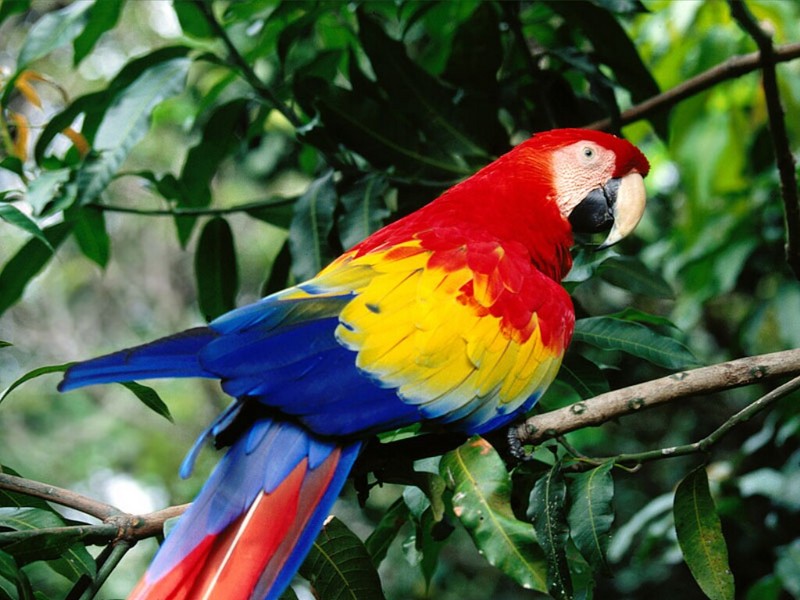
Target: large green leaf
{"points": [[609, 333], [591, 514], [103, 15], [339, 566], [700, 536], [14, 216], [221, 134], [27, 262], [149, 397], [52, 31], [70, 559], [311, 226], [192, 21], [126, 122], [94, 106], [413, 91], [582, 375], [216, 269], [482, 502], [386, 531], [14, 584], [11, 8], [547, 511], [90, 233], [632, 274], [364, 209]]}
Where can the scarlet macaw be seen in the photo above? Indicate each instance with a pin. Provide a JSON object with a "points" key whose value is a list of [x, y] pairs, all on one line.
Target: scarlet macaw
{"points": [[452, 316]]}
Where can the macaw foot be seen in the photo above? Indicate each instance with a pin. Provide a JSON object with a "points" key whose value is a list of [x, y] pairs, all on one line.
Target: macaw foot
{"points": [[515, 445]]}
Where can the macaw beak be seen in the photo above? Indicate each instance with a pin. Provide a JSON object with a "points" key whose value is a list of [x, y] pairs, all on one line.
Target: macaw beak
{"points": [[618, 205]]}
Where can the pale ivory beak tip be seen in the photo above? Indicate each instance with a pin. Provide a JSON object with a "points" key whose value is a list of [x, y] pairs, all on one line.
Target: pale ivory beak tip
{"points": [[628, 210]]}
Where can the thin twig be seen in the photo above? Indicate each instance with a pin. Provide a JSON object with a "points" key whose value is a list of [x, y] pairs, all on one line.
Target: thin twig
{"points": [[777, 127], [732, 68], [711, 439], [110, 562]]}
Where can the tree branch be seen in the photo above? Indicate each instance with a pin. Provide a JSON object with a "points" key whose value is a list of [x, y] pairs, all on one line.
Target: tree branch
{"points": [[777, 126], [57, 495], [611, 405], [730, 69]]}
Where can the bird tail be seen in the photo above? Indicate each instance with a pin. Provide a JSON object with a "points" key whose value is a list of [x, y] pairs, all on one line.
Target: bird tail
{"points": [[174, 356], [255, 519]]}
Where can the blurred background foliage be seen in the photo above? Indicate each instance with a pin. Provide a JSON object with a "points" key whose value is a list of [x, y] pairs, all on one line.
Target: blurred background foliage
{"points": [[163, 162]]}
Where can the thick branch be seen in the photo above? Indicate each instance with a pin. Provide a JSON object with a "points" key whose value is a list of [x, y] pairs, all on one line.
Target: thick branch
{"points": [[777, 127], [51, 493], [730, 69], [602, 408]]}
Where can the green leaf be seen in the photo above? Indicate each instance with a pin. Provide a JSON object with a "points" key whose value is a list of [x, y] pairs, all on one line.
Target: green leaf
{"points": [[378, 542], [38, 372], [608, 333], [364, 209], [192, 21], [221, 134], [103, 16], [582, 375], [27, 262], [278, 214], [126, 122], [14, 216], [631, 274], [4, 344], [52, 31], [339, 565], [311, 227], [11, 578], [12, 7], [215, 269], [149, 397], [91, 235], [700, 536], [48, 186], [94, 106], [546, 509], [72, 559], [279, 273], [591, 514], [482, 502]]}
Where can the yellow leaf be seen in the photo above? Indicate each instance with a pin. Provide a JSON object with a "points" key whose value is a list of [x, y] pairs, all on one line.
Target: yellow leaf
{"points": [[22, 136], [77, 139]]}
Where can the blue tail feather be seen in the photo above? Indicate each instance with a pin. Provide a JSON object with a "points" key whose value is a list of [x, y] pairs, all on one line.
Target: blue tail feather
{"points": [[174, 356]]}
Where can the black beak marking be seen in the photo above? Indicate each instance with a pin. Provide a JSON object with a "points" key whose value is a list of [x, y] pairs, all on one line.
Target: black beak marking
{"points": [[595, 213]]}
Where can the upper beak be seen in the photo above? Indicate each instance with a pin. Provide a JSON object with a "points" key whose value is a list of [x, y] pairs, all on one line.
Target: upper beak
{"points": [[619, 204]]}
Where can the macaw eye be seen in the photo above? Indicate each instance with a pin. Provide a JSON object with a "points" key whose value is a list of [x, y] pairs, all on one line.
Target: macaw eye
{"points": [[588, 152]]}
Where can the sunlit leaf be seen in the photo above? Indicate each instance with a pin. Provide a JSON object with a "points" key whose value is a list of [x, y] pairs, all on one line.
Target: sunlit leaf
{"points": [[547, 511], [609, 333], [482, 502], [27, 262], [700, 536], [339, 566], [149, 397], [12, 215], [52, 31], [126, 121], [591, 514], [216, 269]]}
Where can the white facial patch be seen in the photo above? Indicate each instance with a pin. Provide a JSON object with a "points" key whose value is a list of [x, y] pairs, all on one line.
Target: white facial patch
{"points": [[577, 170]]}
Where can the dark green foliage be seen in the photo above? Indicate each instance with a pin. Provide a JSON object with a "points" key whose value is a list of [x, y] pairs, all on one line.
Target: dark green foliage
{"points": [[273, 135]]}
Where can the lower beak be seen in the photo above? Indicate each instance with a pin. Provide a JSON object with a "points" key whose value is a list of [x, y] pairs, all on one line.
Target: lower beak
{"points": [[618, 205], [628, 209]]}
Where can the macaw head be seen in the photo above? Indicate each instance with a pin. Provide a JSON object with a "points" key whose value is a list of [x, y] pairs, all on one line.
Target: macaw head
{"points": [[597, 179]]}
